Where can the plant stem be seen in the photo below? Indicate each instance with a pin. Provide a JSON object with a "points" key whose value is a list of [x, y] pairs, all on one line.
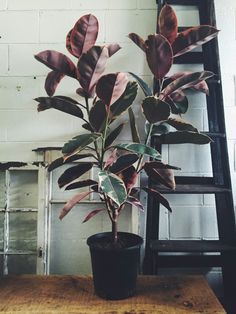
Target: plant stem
{"points": [[104, 135], [146, 142], [114, 227]]}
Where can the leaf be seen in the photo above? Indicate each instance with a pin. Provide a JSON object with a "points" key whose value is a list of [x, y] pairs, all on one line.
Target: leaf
{"points": [[133, 127], [123, 162], [159, 55], [129, 177], [193, 37], [140, 149], [155, 110], [60, 104], [84, 34], [113, 135], [186, 81], [110, 87], [91, 65], [138, 41], [135, 202], [92, 213], [72, 202], [80, 184], [125, 101], [113, 187], [57, 62], [111, 159], [52, 80], [113, 48], [159, 197], [88, 127], [183, 137], [168, 24], [157, 128], [180, 125], [144, 86], [73, 173], [159, 165], [68, 44], [60, 161], [79, 142], [161, 175], [97, 115]]}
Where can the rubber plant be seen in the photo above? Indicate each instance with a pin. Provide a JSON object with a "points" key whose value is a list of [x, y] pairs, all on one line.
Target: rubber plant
{"points": [[107, 97]]}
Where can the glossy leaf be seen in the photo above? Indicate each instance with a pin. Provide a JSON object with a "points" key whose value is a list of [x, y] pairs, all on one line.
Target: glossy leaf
{"points": [[57, 62], [125, 101], [140, 149], [113, 48], [129, 177], [97, 115], [73, 173], [61, 161], [181, 125], [68, 44], [72, 202], [138, 41], [159, 165], [159, 197], [123, 162], [161, 128], [155, 110], [80, 184], [79, 142], [193, 37], [135, 202], [91, 65], [168, 24], [159, 55], [91, 214], [133, 127], [110, 87], [185, 81], [52, 80], [182, 137], [84, 34], [113, 187], [164, 176], [60, 104], [113, 135], [144, 86]]}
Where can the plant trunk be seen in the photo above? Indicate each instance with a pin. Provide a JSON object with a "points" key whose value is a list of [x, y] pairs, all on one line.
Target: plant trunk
{"points": [[114, 231]]}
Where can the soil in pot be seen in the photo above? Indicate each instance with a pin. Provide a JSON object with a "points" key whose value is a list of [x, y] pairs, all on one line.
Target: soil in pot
{"points": [[115, 267]]}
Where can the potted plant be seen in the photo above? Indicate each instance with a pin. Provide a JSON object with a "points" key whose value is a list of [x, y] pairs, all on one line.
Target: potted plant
{"points": [[115, 255]]}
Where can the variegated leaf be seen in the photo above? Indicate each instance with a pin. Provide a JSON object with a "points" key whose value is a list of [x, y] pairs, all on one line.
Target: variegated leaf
{"points": [[52, 80]]}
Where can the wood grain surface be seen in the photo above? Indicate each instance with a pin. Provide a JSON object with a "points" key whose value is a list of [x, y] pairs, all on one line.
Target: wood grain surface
{"points": [[74, 294]]}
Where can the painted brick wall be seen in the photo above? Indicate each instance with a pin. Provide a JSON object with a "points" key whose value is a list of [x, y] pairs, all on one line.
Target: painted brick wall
{"points": [[29, 26]]}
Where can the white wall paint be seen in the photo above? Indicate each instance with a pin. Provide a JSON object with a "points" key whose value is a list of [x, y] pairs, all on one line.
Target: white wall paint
{"points": [[29, 26]]}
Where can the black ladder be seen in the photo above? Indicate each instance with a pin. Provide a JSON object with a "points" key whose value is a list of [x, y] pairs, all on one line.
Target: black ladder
{"points": [[162, 253]]}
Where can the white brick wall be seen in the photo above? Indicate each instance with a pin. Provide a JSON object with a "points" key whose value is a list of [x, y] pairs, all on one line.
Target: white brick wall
{"points": [[29, 26]]}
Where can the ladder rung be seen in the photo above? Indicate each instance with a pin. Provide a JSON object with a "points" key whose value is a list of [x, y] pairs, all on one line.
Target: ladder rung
{"points": [[183, 2], [192, 189], [191, 246]]}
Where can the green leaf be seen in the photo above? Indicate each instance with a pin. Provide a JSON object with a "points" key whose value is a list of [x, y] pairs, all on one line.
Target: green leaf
{"points": [[140, 149], [125, 101], [144, 86], [113, 135], [133, 127], [79, 142], [97, 116], [155, 110], [183, 137], [113, 187]]}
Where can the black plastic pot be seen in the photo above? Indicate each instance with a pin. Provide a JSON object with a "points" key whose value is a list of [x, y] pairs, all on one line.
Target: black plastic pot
{"points": [[115, 269]]}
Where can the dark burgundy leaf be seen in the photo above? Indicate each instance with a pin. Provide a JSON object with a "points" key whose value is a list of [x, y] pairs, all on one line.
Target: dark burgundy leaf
{"points": [[68, 43], [159, 165], [180, 125], [80, 184], [129, 177], [57, 62], [161, 175], [84, 34], [61, 161], [52, 80], [193, 37], [135, 202], [123, 162], [92, 213], [155, 110], [110, 87], [88, 127], [159, 197], [113, 135], [97, 116], [159, 55], [73, 173], [168, 24], [91, 65], [113, 48], [138, 41], [133, 127], [72, 202]]}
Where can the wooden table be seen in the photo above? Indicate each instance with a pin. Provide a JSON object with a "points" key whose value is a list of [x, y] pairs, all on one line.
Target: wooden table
{"points": [[74, 294]]}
